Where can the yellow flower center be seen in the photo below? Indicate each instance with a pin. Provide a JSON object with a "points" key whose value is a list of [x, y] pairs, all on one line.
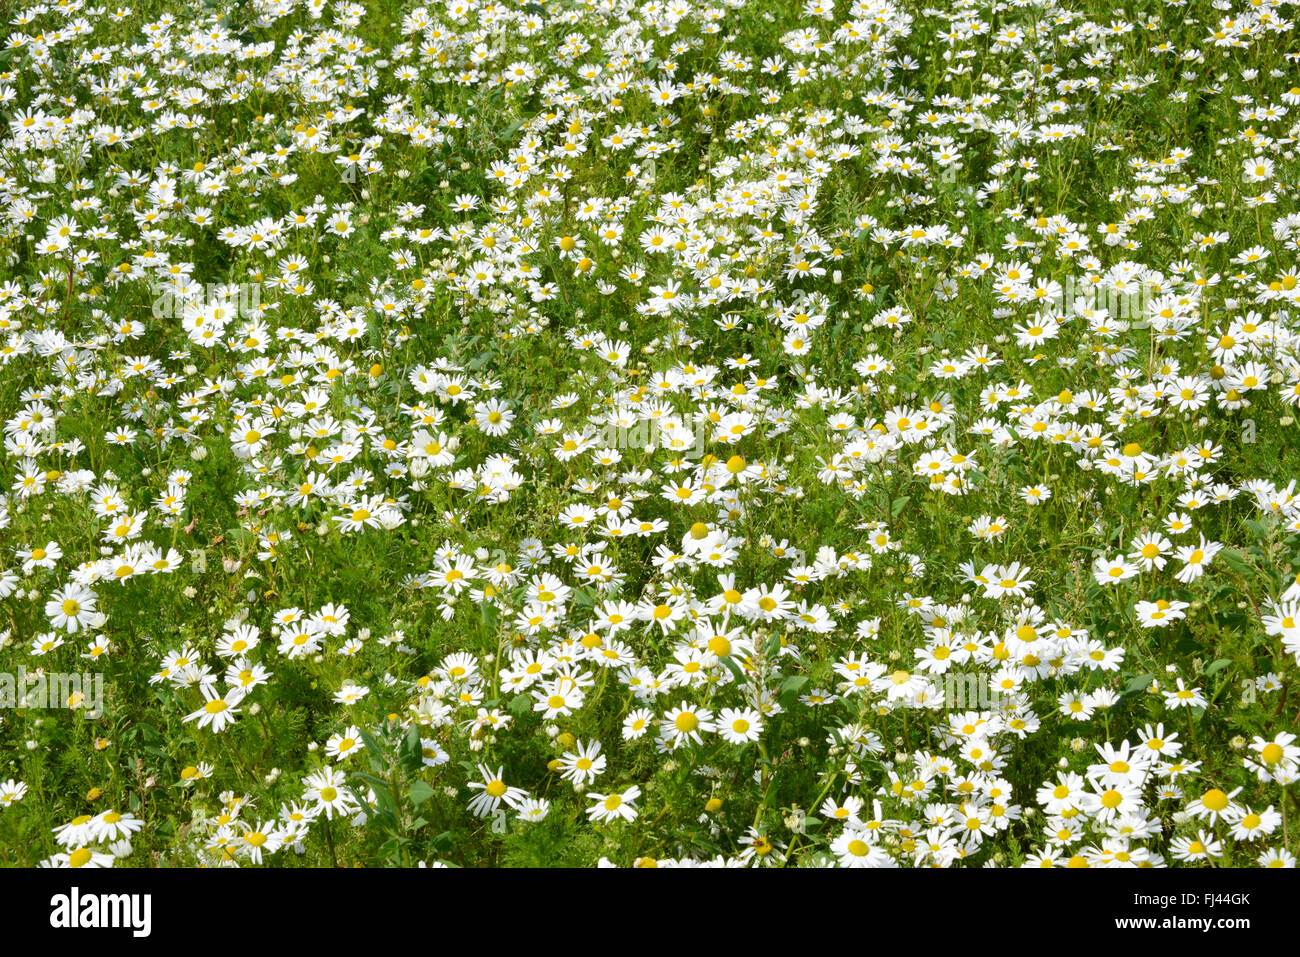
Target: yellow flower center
{"points": [[1214, 799]]}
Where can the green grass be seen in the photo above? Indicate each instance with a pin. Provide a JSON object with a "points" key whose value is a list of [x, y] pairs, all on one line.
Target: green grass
{"points": [[759, 801]]}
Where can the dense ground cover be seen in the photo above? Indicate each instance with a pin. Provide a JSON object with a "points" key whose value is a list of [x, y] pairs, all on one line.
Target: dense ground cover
{"points": [[758, 433]]}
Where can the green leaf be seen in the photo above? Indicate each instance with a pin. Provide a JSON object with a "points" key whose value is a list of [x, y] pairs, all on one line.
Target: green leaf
{"points": [[510, 130], [1235, 559], [373, 747], [790, 687], [520, 705], [379, 784], [899, 504], [733, 668], [420, 792], [411, 753], [1137, 683], [1216, 666], [383, 795]]}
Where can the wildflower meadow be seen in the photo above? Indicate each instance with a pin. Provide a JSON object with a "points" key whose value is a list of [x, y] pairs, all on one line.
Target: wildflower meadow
{"points": [[650, 433]]}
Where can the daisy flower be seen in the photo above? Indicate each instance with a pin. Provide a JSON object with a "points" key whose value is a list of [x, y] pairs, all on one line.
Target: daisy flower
{"points": [[1184, 697], [609, 807], [685, 723], [493, 792], [327, 791], [740, 726], [340, 746], [219, 710], [1199, 848], [852, 849], [582, 765]]}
